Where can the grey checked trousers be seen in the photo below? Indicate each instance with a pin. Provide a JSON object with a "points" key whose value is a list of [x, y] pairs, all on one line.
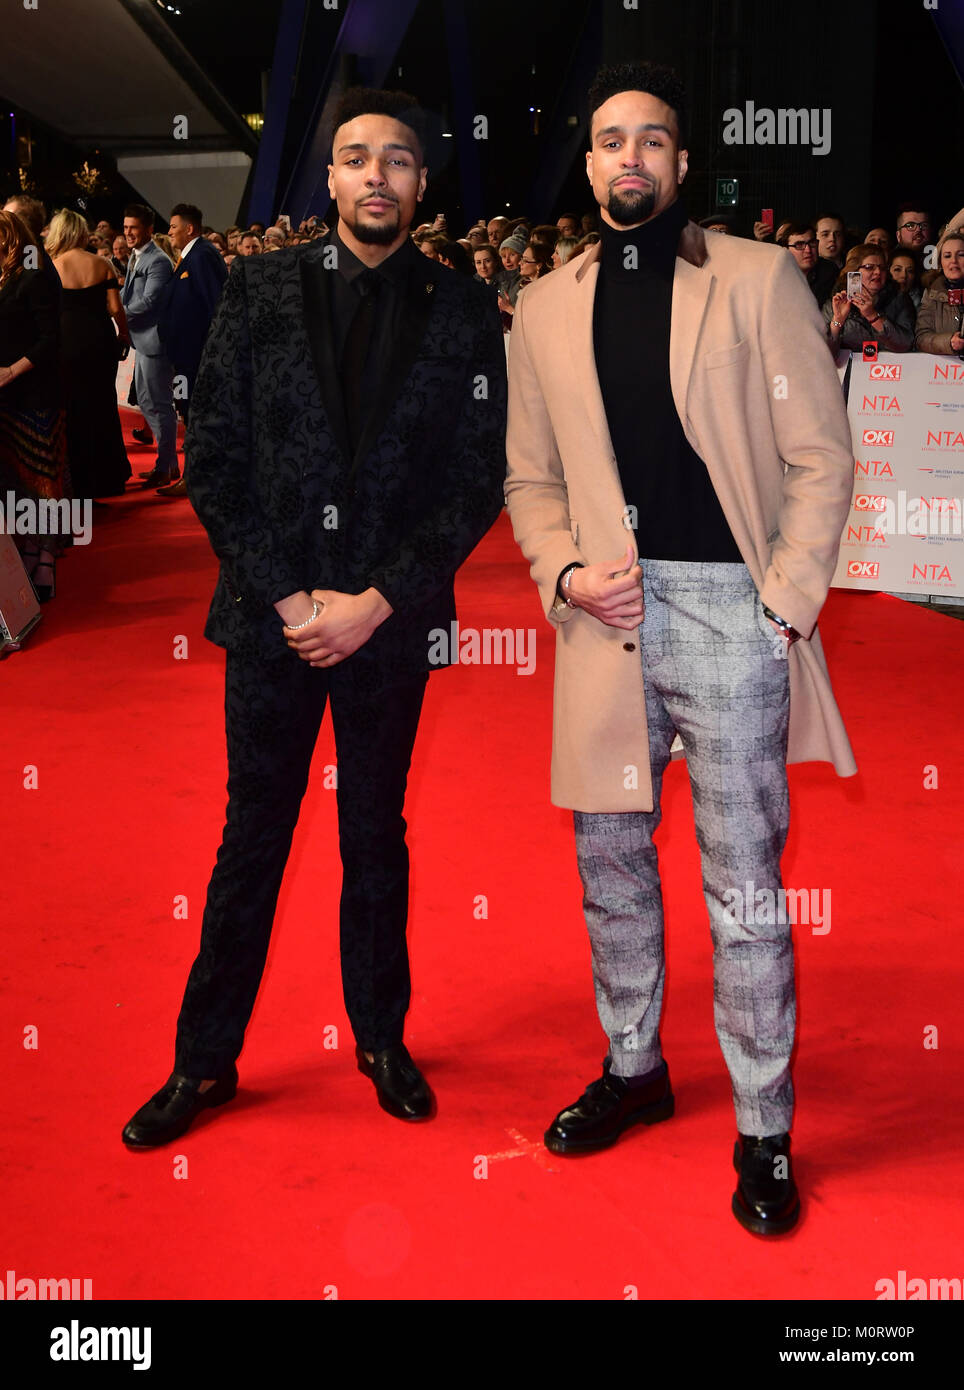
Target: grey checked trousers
{"points": [[714, 670]]}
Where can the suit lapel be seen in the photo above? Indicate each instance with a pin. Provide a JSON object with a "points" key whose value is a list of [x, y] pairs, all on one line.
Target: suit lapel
{"points": [[579, 327], [316, 297], [420, 293], [691, 292], [144, 256]]}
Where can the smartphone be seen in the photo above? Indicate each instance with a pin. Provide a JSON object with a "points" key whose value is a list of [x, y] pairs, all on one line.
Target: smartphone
{"points": [[766, 215], [955, 297], [284, 220], [853, 283]]}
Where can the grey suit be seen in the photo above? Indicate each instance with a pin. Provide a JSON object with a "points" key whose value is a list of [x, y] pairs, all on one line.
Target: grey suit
{"points": [[142, 295]]}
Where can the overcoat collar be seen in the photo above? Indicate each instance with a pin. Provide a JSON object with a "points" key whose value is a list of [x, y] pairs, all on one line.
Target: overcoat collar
{"points": [[692, 282]]}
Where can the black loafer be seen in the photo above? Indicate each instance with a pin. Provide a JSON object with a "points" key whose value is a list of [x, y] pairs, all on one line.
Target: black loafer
{"points": [[157, 479], [766, 1200], [606, 1109], [401, 1088], [174, 1108], [149, 473]]}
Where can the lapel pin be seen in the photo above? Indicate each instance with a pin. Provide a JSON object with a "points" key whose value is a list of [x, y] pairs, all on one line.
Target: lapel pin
{"points": [[429, 287]]}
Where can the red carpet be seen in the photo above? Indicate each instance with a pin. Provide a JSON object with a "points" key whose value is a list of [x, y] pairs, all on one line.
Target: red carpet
{"points": [[302, 1184]]}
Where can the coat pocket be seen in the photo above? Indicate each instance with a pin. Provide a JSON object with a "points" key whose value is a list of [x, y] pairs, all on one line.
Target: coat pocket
{"points": [[726, 357], [778, 643]]}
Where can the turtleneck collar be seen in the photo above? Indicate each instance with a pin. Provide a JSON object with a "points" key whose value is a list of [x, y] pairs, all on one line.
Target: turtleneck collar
{"points": [[656, 243]]}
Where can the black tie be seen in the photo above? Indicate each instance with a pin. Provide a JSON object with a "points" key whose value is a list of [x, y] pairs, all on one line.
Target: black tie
{"points": [[355, 355]]}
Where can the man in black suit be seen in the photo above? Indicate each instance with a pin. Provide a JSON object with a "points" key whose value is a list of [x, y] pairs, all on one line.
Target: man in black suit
{"points": [[188, 307], [346, 452]]}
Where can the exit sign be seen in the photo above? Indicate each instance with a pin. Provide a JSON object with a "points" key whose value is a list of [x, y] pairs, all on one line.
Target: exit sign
{"points": [[727, 193]]}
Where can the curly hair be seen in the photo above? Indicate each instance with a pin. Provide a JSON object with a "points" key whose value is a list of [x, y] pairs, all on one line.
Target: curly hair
{"points": [[15, 237], [656, 79], [371, 101]]}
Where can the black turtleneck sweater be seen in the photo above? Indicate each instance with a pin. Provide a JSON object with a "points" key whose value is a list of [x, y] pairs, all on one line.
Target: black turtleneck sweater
{"points": [[678, 515]]}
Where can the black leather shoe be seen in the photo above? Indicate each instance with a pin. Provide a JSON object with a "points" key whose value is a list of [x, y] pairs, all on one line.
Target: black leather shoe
{"points": [[402, 1089], [606, 1109], [172, 1111], [149, 473], [157, 479], [766, 1200], [143, 436]]}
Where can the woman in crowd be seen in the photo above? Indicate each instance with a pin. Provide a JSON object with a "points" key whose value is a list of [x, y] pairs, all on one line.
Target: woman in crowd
{"points": [[487, 265], [879, 312], [89, 353], [939, 319], [903, 271], [536, 261], [33, 453], [563, 250]]}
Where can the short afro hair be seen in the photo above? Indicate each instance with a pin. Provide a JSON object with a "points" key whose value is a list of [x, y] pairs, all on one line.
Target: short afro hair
{"points": [[659, 81], [371, 101]]}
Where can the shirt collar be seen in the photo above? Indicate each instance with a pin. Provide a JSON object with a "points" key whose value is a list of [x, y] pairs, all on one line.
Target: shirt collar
{"points": [[394, 268], [189, 245]]}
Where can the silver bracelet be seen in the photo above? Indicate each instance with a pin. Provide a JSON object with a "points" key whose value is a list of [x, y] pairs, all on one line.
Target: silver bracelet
{"points": [[293, 627]]}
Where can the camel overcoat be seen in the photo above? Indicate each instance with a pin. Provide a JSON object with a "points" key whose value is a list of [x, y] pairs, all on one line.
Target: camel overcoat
{"points": [[759, 398]]}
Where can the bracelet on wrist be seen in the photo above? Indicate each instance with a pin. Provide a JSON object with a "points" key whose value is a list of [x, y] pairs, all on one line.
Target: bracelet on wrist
{"points": [[315, 610], [565, 579], [789, 632]]}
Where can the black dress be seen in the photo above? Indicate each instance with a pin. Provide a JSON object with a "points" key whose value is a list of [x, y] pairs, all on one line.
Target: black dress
{"points": [[32, 436], [99, 466]]}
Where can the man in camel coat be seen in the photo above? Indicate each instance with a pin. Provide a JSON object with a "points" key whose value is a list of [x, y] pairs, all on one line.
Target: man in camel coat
{"points": [[680, 471]]}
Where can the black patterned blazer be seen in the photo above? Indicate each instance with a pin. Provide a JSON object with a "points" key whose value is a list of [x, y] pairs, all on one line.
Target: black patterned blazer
{"points": [[270, 475]]}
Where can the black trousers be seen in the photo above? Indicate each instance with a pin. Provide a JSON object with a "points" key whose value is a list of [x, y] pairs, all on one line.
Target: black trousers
{"points": [[273, 711]]}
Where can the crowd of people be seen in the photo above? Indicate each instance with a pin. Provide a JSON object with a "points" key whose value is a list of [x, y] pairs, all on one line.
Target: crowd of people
{"points": [[74, 301]]}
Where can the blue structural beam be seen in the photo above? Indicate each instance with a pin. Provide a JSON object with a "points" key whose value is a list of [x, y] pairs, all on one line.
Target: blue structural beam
{"points": [[563, 141], [280, 90], [368, 40], [464, 110], [949, 23]]}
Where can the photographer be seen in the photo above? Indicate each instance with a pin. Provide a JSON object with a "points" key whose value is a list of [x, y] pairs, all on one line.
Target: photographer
{"points": [[941, 310], [878, 312]]}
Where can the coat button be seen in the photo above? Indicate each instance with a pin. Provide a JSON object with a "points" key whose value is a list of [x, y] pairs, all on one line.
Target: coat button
{"points": [[629, 646]]}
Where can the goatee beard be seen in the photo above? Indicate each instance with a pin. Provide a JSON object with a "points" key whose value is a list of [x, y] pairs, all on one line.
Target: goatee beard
{"points": [[629, 208], [375, 233]]}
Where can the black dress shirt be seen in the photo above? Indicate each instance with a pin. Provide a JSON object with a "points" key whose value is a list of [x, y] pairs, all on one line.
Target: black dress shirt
{"points": [[678, 515], [352, 284]]}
